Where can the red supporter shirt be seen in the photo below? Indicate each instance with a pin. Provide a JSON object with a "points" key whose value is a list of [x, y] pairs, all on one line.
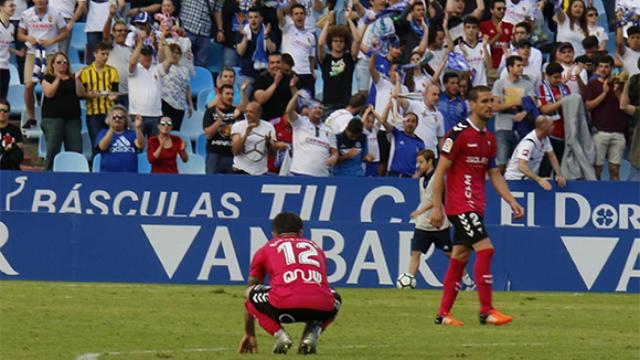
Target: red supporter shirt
{"points": [[549, 95], [488, 28], [472, 152], [284, 133], [297, 273], [166, 163]]}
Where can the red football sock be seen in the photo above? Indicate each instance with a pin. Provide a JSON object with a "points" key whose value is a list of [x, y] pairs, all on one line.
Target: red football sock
{"points": [[450, 288], [268, 324], [484, 279]]}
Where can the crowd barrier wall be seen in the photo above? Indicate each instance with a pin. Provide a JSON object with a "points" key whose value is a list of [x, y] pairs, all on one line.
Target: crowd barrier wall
{"points": [[196, 229]]}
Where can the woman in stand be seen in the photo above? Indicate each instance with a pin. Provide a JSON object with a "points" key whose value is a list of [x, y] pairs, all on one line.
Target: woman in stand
{"points": [[572, 25], [118, 145], [164, 148], [60, 109], [176, 88]]}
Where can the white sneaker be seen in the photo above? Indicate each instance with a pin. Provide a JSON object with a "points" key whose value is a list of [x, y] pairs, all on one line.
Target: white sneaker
{"points": [[283, 342]]}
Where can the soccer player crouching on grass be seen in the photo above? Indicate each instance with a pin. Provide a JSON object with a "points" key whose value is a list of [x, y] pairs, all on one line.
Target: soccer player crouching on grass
{"points": [[425, 233], [467, 154], [298, 292]]}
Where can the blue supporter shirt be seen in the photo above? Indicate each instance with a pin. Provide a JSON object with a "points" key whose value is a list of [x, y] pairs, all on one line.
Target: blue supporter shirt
{"points": [[405, 149], [453, 110], [383, 66], [121, 155], [352, 166]]}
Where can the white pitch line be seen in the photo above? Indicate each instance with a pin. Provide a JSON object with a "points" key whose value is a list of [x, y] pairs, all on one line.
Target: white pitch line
{"points": [[503, 344], [96, 356]]}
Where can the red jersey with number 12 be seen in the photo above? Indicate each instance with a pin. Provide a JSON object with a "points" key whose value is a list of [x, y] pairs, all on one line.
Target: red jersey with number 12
{"points": [[472, 152], [297, 270]]}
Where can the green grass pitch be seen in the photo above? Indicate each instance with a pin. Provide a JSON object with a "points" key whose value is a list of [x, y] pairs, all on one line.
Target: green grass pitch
{"points": [[50, 320]]}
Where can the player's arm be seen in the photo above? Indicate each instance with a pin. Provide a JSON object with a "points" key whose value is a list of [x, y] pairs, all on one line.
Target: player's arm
{"points": [[436, 217], [249, 344], [502, 189]]}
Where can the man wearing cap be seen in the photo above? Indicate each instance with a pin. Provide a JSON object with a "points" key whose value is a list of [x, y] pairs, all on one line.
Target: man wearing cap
{"points": [[574, 76], [314, 143], [522, 31], [142, 23], [145, 83]]}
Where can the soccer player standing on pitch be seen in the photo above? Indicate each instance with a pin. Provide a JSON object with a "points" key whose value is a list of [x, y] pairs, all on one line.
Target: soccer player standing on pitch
{"points": [[298, 292], [467, 154]]}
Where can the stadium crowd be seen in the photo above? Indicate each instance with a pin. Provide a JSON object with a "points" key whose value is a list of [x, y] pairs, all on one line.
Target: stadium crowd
{"points": [[321, 88]]}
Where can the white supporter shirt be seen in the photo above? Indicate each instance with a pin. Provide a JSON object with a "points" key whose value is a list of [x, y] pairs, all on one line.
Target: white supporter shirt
{"points": [[97, 14], [64, 7], [530, 149], [6, 39], [119, 58], [426, 196], [430, 124], [372, 143], [517, 13], [599, 32], [475, 59], [254, 158], [383, 94], [535, 59], [144, 90], [311, 151], [630, 61], [338, 120], [42, 28], [300, 44], [575, 36]]}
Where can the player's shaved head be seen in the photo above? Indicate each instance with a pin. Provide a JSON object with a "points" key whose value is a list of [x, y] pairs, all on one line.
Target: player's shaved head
{"points": [[287, 223], [474, 93], [544, 125]]}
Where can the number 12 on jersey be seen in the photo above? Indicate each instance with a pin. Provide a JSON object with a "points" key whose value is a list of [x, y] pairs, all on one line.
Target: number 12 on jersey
{"points": [[304, 256]]}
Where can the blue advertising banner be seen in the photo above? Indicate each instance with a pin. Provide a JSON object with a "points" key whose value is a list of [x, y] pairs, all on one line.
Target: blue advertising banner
{"points": [[205, 229]]}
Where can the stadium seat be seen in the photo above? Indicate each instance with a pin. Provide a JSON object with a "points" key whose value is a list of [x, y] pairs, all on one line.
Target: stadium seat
{"points": [[86, 144], [69, 161], [143, 163], [14, 74], [78, 38], [216, 57], [33, 132], [192, 126], [195, 165], [15, 96], [201, 81], [203, 99], [201, 145], [95, 166], [77, 67], [186, 140], [74, 57]]}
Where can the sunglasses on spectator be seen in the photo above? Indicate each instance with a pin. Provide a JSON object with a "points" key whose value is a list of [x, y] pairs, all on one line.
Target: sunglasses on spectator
{"points": [[2, 110], [166, 123], [117, 117]]}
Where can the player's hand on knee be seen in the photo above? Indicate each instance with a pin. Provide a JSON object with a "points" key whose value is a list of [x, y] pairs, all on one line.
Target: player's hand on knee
{"points": [[248, 345]]}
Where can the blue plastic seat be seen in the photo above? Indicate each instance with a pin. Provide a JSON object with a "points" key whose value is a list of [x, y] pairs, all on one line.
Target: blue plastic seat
{"points": [[203, 99], [95, 167], [192, 126], [14, 74], [144, 167], [201, 81], [201, 145], [15, 96], [78, 37], [69, 161], [216, 57], [195, 165], [77, 67], [74, 57]]}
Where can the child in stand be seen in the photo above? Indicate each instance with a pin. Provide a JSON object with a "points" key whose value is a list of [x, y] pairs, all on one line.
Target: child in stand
{"points": [[425, 233]]}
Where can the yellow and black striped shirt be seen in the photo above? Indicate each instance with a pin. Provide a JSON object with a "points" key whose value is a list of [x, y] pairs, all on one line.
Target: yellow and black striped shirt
{"points": [[100, 81]]}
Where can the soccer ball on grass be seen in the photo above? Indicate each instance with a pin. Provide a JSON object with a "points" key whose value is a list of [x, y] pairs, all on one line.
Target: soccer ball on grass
{"points": [[406, 281]]}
